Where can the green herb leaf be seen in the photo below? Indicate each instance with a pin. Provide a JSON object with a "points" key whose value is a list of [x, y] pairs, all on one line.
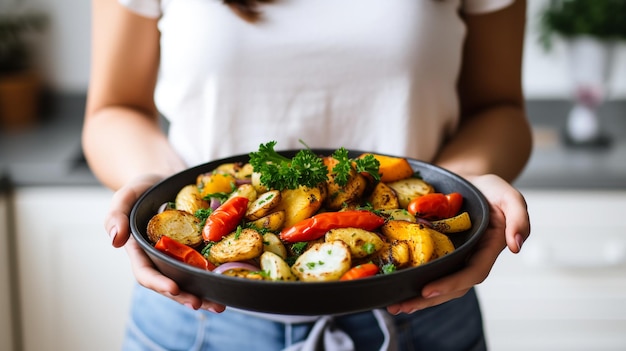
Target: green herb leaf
{"points": [[368, 164], [279, 172], [388, 268]]}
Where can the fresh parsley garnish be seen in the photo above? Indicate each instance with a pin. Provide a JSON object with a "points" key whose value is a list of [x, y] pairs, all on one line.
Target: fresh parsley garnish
{"points": [[279, 172], [367, 164], [388, 268], [369, 248], [203, 214], [306, 168]]}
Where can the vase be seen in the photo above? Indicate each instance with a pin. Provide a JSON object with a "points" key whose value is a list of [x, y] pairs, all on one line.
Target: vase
{"points": [[590, 62], [19, 100]]}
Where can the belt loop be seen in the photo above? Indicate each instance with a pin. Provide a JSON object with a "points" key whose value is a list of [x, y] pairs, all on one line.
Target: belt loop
{"points": [[288, 334]]}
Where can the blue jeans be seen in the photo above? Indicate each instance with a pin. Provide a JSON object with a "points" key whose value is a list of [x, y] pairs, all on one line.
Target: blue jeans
{"points": [[158, 323]]}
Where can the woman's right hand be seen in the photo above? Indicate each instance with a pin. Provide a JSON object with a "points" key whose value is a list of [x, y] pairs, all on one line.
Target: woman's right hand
{"points": [[117, 225]]}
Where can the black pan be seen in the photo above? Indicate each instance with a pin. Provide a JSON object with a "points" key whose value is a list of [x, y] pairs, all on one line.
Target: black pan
{"points": [[307, 298]]}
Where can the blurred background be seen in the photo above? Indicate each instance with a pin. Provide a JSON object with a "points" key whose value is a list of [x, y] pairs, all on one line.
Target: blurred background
{"points": [[63, 287]]}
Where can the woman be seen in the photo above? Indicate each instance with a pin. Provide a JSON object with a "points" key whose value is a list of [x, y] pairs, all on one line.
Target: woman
{"points": [[437, 80]]}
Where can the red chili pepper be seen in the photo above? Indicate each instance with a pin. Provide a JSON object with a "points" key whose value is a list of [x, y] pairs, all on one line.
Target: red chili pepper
{"points": [[436, 205], [225, 218], [360, 271], [183, 253], [315, 227]]}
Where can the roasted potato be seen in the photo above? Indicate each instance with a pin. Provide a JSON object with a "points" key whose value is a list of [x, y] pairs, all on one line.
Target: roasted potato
{"points": [[179, 225], [300, 203], [237, 246], [442, 243], [237, 169], [189, 199], [458, 223], [349, 194], [255, 180], [244, 273], [410, 188], [396, 252], [272, 222], [272, 243], [398, 215], [323, 262], [275, 267], [245, 190], [265, 203], [419, 238], [383, 197], [361, 242]]}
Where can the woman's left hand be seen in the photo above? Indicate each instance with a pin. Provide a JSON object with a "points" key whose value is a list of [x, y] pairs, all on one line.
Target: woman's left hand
{"points": [[509, 226]]}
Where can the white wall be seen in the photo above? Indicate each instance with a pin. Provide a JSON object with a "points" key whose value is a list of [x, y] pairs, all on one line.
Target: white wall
{"points": [[65, 55], [65, 52]]}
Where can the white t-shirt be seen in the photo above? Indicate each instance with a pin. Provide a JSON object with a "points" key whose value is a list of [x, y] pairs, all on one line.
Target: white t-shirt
{"points": [[376, 75]]}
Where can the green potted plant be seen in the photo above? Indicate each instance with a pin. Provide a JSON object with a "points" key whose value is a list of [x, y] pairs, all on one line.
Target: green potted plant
{"points": [[604, 20], [19, 80], [590, 30]]}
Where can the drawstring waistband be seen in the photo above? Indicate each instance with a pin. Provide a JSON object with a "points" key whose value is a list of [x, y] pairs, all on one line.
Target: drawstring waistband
{"points": [[325, 335]]}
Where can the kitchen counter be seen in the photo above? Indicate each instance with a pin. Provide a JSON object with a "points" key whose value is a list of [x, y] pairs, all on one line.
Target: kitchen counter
{"points": [[50, 154]]}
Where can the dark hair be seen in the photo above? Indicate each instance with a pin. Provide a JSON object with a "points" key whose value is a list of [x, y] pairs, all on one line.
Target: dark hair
{"points": [[246, 9]]}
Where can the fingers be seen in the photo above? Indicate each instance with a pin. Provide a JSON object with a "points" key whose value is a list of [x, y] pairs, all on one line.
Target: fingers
{"points": [[116, 222], [457, 284], [508, 201], [147, 275], [517, 220], [509, 226]]}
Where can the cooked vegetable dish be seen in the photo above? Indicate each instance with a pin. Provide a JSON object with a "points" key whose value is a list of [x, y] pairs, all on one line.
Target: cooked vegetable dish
{"points": [[308, 218]]}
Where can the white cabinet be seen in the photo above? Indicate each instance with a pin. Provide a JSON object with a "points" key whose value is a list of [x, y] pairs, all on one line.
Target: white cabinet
{"points": [[566, 290], [74, 286], [6, 315]]}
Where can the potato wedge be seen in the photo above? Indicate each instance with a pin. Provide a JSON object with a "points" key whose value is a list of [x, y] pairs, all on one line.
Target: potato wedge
{"points": [[419, 238], [338, 195], [410, 188], [272, 243], [383, 197], [245, 190], [263, 205], [237, 169], [272, 222], [299, 204], [458, 223], [399, 215], [361, 242], [244, 273], [255, 180], [275, 267], [323, 262], [189, 199], [442, 244], [179, 225], [237, 246], [396, 252]]}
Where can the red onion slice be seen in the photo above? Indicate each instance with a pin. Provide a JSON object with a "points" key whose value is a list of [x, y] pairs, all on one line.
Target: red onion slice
{"points": [[235, 265], [215, 203], [163, 207]]}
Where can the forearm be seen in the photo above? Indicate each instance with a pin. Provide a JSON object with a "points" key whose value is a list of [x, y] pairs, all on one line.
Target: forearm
{"points": [[121, 144], [495, 140]]}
